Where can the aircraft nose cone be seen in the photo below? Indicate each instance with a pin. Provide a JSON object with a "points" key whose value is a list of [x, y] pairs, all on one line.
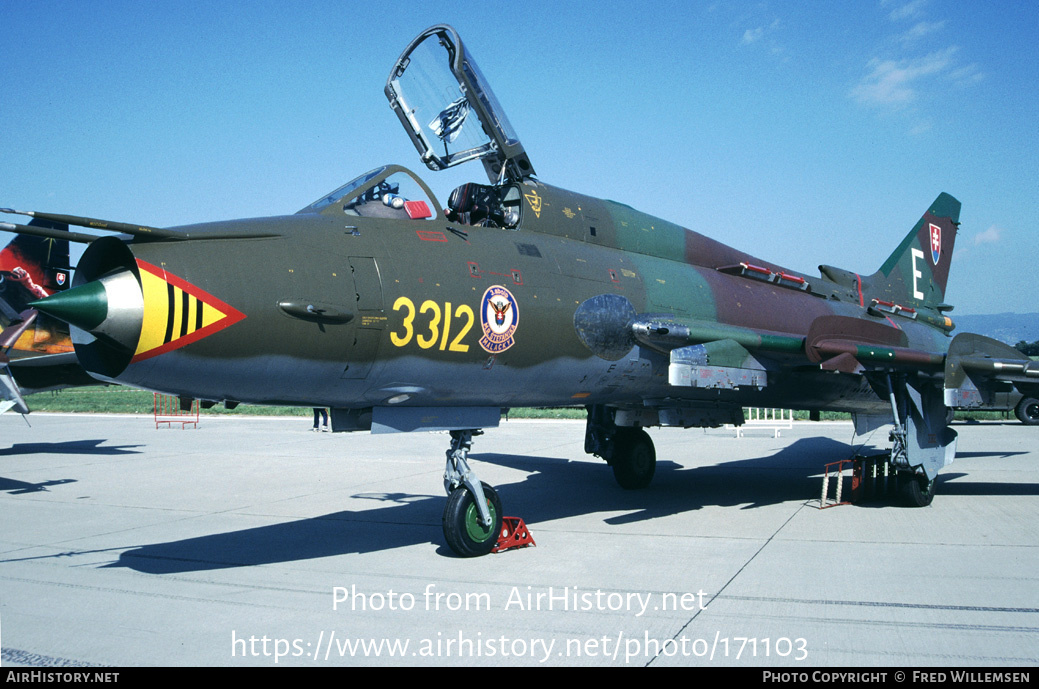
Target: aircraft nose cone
{"points": [[85, 306], [111, 308]]}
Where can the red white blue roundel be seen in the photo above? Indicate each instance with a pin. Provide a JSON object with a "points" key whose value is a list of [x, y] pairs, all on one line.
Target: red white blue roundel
{"points": [[936, 243], [499, 316]]}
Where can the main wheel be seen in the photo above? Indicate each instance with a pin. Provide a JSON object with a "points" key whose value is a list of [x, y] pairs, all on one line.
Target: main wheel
{"points": [[634, 459], [1028, 411], [462, 528], [916, 490]]}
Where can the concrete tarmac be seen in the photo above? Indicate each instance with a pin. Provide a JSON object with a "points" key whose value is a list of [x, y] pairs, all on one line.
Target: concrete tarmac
{"points": [[252, 541]]}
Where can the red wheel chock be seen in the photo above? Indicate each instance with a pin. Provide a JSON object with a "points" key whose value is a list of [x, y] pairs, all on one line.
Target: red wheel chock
{"points": [[514, 534]]}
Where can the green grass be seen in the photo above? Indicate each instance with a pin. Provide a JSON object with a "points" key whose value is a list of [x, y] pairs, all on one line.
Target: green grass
{"points": [[121, 400], [116, 399]]}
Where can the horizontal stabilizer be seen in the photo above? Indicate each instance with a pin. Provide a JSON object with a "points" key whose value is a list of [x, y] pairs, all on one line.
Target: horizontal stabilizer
{"points": [[10, 395], [975, 363]]}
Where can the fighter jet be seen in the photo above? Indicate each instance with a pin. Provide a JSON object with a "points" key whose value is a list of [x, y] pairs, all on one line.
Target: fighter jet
{"points": [[401, 314], [36, 353]]}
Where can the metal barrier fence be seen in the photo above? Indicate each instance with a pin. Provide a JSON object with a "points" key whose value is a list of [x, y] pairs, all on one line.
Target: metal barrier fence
{"points": [[168, 411], [774, 420]]}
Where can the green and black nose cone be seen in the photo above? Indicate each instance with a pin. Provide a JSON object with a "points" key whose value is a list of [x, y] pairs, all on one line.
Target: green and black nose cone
{"points": [[85, 307], [111, 307]]}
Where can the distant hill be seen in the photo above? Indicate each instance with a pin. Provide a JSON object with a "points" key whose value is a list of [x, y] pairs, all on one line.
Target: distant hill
{"points": [[1005, 327]]}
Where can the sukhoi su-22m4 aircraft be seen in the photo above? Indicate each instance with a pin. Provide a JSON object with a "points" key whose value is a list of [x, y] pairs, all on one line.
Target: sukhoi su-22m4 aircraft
{"points": [[402, 315], [36, 353]]}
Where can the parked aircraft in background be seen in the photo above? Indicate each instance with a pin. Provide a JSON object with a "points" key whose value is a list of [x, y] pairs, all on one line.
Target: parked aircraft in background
{"points": [[36, 353]]}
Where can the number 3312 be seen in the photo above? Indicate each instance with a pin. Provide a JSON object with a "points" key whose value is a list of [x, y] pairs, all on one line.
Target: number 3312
{"points": [[431, 334]]}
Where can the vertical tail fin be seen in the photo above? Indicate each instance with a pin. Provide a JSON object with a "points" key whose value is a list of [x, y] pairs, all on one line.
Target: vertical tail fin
{"points": [[30, 266], [917, 272]]}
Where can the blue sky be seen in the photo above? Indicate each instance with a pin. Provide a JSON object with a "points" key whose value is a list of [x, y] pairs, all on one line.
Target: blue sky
{"points": [[805, 133]]}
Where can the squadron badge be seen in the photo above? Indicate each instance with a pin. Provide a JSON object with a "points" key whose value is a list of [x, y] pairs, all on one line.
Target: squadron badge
{"points": [[535, 201], [499, 317]]}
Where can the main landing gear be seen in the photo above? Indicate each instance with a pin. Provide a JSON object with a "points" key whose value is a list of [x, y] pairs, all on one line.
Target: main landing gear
{"points": [[628, 450], [921, 442], [472, 518]]}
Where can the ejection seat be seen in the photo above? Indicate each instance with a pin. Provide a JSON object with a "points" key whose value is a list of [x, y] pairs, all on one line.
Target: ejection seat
{"points": [[475, 204]]}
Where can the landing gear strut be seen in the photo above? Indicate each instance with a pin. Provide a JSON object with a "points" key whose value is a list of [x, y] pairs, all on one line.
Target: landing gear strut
{"points": [[921, 442], [472, 518], [628, 451]]}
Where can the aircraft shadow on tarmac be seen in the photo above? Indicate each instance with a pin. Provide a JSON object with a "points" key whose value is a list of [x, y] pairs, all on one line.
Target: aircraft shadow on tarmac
{"points": [[948, 485], [553, 489], [15, 487], [997, 455], [70, 447]]}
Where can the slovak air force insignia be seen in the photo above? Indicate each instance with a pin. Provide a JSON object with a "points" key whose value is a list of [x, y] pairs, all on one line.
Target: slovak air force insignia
{"points": [[936, 243], [499, 316]]}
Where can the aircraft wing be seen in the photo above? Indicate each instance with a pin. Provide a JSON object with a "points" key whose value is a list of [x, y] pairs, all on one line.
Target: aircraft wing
{"points": [[977, 365], [712, 354], [716, 355]]}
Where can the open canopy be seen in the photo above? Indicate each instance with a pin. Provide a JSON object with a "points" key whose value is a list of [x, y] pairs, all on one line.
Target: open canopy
{"points": [[448, 109]]}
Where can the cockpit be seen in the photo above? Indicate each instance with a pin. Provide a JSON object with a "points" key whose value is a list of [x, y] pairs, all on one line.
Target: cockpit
{"points": [[392, 191], [484, 205], [452, 117]]}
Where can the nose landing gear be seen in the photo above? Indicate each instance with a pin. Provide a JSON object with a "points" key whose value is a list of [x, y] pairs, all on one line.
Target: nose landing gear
{"points": [[472, 519]]}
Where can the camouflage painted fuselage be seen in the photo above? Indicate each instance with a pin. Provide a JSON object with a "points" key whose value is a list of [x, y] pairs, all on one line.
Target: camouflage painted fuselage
{"points": [[357, 312]]}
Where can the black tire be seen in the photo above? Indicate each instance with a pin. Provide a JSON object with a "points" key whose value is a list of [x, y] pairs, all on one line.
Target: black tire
{"points": [[916, 490], [461, 521], [1027, 411], [634, 459]]}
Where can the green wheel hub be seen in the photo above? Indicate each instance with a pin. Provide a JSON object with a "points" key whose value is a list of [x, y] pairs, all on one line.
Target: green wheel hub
{"points": [[474, 529]]}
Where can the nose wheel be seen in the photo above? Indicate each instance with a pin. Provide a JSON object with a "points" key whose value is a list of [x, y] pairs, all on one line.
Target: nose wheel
{"points": [[472, 518], [465, 532]]}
